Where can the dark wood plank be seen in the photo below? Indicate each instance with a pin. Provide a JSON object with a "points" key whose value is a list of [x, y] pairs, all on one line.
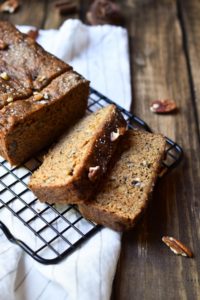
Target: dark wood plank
{"points": [[54, 19], [44, 14], [147, 269], [30, 12], [189, 14]]}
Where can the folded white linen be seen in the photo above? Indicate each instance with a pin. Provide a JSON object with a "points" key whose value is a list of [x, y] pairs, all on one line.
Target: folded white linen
{"points": [[100, 53]]}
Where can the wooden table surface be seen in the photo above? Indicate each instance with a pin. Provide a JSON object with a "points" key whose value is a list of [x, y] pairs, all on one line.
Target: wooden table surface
{"points": [[165, 63]]}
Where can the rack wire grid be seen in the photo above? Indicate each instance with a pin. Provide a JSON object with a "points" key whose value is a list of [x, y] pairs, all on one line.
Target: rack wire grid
{"points": [[51, 232]]}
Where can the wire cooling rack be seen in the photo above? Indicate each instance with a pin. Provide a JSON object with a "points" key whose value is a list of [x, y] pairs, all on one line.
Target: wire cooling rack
{"points": [[51, 232]]}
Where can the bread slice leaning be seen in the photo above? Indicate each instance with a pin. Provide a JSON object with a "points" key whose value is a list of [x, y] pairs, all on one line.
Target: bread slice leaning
{"points": [[126, 190], [73, 168]]}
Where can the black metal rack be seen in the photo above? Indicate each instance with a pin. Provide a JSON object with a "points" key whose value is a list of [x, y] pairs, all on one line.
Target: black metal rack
{"points": [[52, 232]]}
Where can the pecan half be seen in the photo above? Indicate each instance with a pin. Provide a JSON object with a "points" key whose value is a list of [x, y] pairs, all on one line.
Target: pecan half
{"points": [[4, 76], [176, 246], [3, 45], [163, 106], [9, 6], [104, 12], [10, 99], [115, 134], [37, 96], [93, 173], [41, 78], [33, 33]]}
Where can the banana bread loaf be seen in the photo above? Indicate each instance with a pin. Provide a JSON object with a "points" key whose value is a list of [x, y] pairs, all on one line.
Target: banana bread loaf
{"points": [[73, 168], [39, 95], [28, 125], [126, 190], [24, 65]]}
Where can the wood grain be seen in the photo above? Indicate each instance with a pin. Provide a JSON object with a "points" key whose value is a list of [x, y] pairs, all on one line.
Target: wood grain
{"points": [[147, 269], [31, 12], [165, 59], [53, 18], [189, 13]]}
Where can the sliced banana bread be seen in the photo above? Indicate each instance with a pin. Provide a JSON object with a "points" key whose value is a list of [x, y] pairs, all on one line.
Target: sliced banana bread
{"points": [[27, 126], [126, 190], [40, 96], [73, 168]]}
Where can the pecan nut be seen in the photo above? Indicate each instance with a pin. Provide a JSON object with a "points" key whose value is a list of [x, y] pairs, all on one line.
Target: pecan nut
{"points": [[104, 12], [176, 246], [4, 76], [37, 96], [9, 6], [115, 134], [10, 99], [163, 106], [94, 173], [33, 33], [3, 45]]}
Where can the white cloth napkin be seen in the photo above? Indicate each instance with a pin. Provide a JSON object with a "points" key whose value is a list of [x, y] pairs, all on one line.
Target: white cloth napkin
{"points": [[100, 53]]}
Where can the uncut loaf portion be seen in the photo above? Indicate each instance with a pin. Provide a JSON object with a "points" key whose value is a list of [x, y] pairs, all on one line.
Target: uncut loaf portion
{"points": [[40, 96], [74, 167], [126, 190], [24, 65], [28, 125]]}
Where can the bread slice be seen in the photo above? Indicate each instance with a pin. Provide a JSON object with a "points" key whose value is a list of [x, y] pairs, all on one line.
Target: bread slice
{"points": [[126, 190], [73, 168]]}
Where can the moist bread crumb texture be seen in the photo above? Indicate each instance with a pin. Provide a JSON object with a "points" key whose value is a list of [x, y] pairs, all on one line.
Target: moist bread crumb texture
{"points": [[125, 192], [40, 96], [74, 167]]}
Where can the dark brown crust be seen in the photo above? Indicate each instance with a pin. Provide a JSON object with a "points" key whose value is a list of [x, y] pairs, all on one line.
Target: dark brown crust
{"points": [[29, 68], [28, 65], [100, 154], [115, 220], [28, 126], [81, 188]]}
